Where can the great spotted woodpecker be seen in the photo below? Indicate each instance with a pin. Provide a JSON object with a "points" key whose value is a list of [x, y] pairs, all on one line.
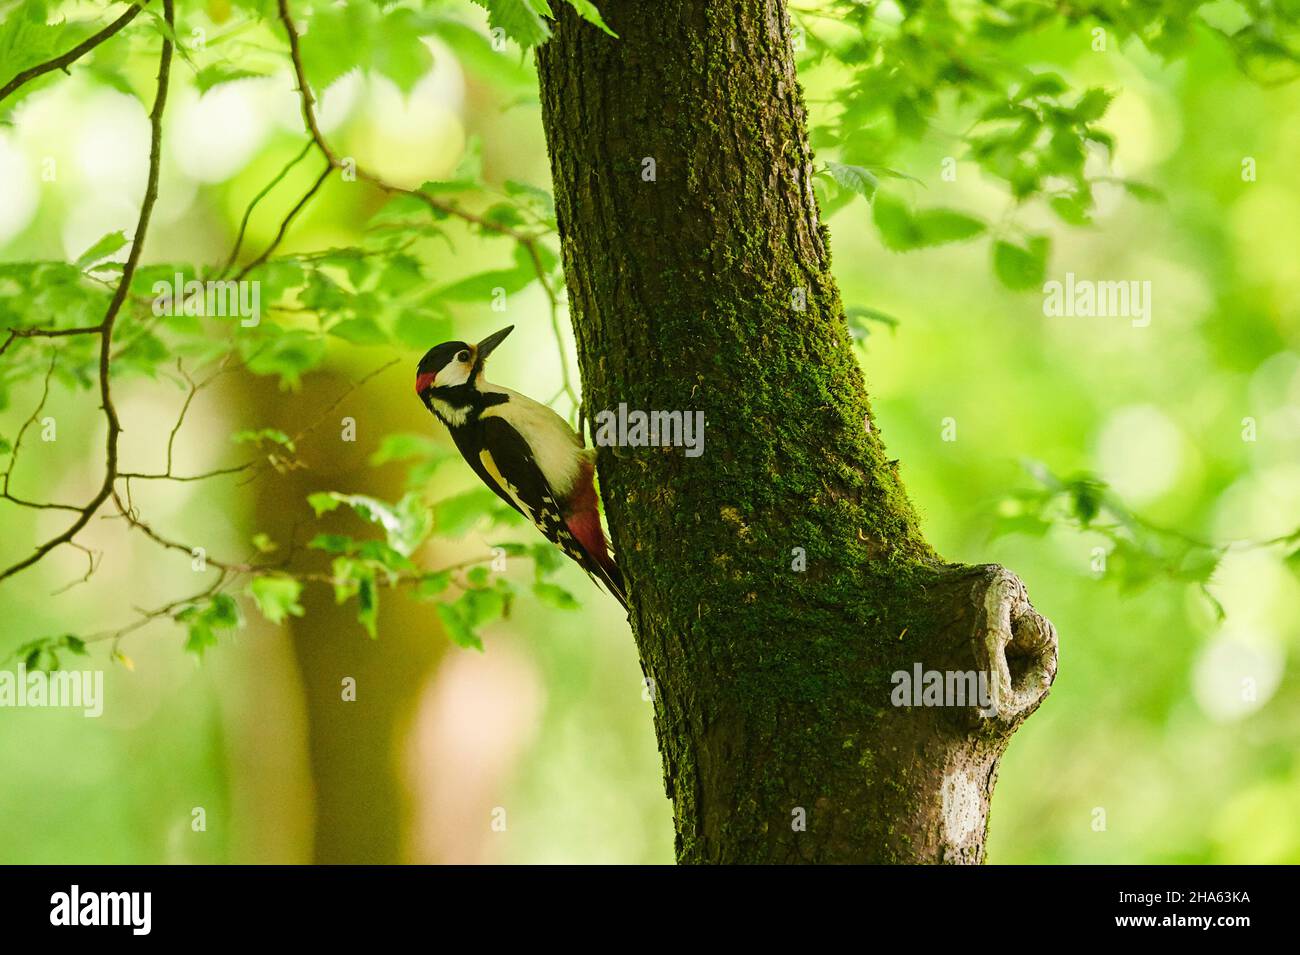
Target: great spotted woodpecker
{"points": [[522, 450]]}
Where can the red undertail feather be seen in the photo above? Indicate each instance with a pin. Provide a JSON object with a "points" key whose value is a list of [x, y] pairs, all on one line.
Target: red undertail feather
{"points": [[583, 520]]}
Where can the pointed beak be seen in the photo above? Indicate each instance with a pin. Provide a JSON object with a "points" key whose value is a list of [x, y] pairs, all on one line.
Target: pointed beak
{"points": [[485, 347]]}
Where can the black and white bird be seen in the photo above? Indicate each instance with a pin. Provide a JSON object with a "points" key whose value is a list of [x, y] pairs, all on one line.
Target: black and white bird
{"points": [[522, 450]]}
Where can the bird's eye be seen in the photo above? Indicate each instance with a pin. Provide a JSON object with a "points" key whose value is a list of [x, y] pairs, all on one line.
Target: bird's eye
{"points": [[463, 356]]}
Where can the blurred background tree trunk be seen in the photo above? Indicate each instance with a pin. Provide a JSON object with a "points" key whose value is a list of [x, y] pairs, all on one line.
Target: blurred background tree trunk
{"points": [[780, 579], [363, 814]]}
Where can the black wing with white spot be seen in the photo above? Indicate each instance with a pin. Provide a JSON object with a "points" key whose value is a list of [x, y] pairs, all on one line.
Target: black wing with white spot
{"points": [[506, 457]]}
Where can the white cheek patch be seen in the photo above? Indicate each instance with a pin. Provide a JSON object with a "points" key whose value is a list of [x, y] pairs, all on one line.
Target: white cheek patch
{"points": [[451, 374]]}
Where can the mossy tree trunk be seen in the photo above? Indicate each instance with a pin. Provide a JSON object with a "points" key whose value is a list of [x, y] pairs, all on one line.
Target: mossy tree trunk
{"points": [[699, 278]]}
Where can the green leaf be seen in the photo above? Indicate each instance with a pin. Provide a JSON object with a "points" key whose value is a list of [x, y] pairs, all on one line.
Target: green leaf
{"points": [[404, 447], [399, 53], [420, 328], [1142, 192], [288, 355], [333, 543], [555, 596], [902, 230], [859, 316], [368, 603], [273, 435], [43, 653], [1092, 105], [456, 515], [431, 585], [1198, 565], [102, 249], [26, 40], [1044, 84], [276, 596], [481, 287], [1021, 267], [406, 523], [1088, 495], [322, 502], [219, 73], [339, 39], [897, 231], [205, 618], [587, 10], [522, 20], [547, 558], [475, 608], [857, 179], [940, 226], [457, 628], [359, 331], [1292, 561], [474, 51], [1072, 209]]}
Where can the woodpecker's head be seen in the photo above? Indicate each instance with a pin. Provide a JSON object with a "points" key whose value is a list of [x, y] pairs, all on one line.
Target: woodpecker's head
{"points": [[451, 371]]}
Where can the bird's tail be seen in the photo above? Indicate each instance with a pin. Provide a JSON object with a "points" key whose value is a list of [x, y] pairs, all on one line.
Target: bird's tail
{"points": [[585, 526], [612, 577]]}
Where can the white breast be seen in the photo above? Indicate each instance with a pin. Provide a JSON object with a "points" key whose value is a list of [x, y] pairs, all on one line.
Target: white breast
{"points": [[555, 445]]}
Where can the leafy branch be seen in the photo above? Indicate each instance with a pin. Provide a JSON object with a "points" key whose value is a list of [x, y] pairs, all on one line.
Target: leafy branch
{"points": [[105, 328], [1140, 551], [526, 241], [65, 60]]}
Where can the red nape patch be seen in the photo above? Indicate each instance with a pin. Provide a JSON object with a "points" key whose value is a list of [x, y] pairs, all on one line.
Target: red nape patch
{"points": [[424, 381]]}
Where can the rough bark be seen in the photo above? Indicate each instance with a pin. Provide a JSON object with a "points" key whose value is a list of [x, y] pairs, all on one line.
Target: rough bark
{"points": [[709, 287]]}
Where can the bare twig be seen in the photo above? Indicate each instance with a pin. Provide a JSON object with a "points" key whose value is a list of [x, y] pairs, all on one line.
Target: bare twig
{"points": [[93, 558], [320, 418], [5, 493], [248, 213], [286, 222]]}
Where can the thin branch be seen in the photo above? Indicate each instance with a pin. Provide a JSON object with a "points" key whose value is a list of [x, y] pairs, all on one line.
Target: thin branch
{"points": [[16, 333], [5, 493], [115, 306], [215, 472], [168, 610], [31, 419], [76, 53], [149, 616], [355, 386], [132, 518], [286, 222], [93, 559], [248, 213], [320, 418]]}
